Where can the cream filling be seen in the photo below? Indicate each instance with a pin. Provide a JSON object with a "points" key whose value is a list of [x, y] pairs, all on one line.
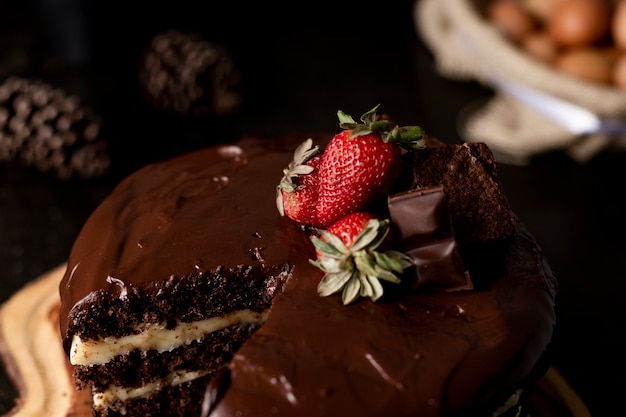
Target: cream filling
{"points": [[105, 399], [155, 337]]}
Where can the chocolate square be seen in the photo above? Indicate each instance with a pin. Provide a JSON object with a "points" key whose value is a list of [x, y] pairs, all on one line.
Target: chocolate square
{"points": [[421, 220]]}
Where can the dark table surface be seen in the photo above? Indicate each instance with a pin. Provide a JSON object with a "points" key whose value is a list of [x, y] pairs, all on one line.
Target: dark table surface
{"points": [[298, 68]]}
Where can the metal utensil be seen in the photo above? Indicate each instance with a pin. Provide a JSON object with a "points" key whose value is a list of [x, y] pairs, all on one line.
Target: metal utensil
{"points": [[576, 119]]}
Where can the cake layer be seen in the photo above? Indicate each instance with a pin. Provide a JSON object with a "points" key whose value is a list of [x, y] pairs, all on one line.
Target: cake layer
{"points": [[157, 337], [115, 397], [130, 311], [186, 398], [142, 366]]}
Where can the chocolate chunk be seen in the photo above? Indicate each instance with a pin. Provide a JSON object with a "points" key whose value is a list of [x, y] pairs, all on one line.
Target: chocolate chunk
{"points": [[479, 208], [421, 219]]}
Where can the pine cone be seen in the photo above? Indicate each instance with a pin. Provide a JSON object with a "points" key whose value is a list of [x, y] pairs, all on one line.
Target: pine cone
{"points": [[43, 127], [185, 74]]}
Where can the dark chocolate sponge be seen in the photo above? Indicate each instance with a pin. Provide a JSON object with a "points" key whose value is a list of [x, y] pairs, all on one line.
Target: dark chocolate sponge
{"points": [[479, 207]]}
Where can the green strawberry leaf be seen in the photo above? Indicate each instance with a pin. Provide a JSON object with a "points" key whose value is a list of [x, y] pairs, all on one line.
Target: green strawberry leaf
{"points": [[351, 290], [408, 137], [332, 244], [371, 236], [346, 121], [366, 289], [393, 260], [381, 126], [301, 170], [329, 265], [364, 263], [304, 152], [332, 283], [370, 116], [382, 273], [377, 288], [358, 269]]}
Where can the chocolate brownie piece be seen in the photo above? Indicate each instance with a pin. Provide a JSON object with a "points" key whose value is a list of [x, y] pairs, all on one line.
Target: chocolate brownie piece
{"points": [[479, 208]]}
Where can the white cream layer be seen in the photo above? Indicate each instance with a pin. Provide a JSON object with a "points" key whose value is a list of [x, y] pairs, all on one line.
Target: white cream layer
{"points": [[102, 400], [155, 337]]}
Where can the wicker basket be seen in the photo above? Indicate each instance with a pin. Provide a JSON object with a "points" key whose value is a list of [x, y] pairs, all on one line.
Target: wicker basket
{"points": [[467, 47]]}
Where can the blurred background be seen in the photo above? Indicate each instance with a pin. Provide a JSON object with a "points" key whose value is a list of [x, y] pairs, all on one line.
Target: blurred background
{"points": [[92, 90]]}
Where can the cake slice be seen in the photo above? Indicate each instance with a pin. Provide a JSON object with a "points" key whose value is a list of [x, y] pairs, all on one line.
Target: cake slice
{"points": [[160, 291]]}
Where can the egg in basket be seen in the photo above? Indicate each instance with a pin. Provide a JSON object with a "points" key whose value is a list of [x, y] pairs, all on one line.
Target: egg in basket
{"points": [[557, 67]]}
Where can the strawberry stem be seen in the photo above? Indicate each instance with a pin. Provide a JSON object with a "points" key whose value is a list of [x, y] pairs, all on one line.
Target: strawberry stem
{"points": [[407, 137]]}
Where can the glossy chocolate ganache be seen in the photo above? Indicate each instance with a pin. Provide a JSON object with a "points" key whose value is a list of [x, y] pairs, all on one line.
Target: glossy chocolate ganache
{"points": [[417, 351]]}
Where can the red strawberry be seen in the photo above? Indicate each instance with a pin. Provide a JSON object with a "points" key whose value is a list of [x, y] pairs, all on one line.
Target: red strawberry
{"points": [[349, 227], [360, 164], [347, 255], [296, 195], [354, 172]]}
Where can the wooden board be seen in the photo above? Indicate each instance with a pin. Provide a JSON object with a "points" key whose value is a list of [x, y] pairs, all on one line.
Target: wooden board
{"points": [[30, 347]]}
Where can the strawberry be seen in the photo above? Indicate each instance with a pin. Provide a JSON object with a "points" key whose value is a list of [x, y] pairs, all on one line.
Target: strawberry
{"points": [[360, 164], [346, 253], [349, 227], [297, 192]]}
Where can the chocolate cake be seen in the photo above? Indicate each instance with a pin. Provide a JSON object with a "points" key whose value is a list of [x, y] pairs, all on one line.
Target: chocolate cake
{"points": [[188, 294]]}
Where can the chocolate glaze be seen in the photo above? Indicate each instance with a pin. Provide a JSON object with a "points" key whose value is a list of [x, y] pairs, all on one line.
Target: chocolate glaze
{"points": [[409, 354]]}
